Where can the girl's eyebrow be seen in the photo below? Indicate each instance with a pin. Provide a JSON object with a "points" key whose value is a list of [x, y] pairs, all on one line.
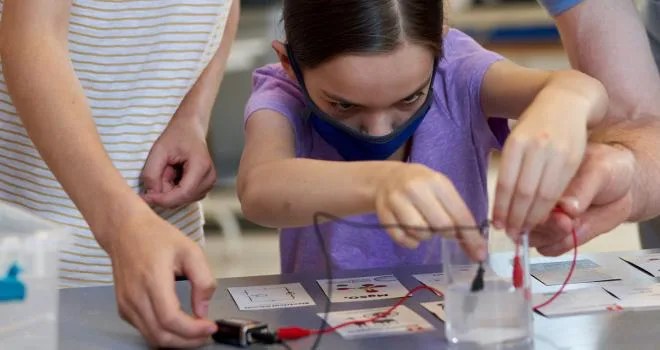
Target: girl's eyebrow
{"points": [[339, 98], [419, 89], [347, 101]]}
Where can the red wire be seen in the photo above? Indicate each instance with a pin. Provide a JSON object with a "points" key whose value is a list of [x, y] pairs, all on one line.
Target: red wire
{"points": [[290, 333], [518, 273], [568, 276]]}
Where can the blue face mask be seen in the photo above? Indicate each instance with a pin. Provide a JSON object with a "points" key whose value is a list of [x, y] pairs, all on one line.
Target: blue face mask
{"points": [[351, 144]]}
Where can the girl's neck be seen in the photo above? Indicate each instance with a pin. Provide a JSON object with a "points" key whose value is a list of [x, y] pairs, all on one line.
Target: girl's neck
{"points": [[403, 153]]}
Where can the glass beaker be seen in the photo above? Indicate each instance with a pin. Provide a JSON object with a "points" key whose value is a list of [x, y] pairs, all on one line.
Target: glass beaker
{"points": [[495, 314]]}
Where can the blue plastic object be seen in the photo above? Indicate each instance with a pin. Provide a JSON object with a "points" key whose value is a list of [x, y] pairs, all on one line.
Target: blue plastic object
{"points": [[525, 34], [11, 288], [557, 7]]}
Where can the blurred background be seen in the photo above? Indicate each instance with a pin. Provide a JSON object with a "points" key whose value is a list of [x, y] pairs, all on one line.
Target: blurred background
{"points": [[518, 29]]}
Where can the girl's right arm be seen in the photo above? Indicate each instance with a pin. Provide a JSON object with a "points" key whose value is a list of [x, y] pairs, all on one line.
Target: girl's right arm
{"points": [[278, 190]]}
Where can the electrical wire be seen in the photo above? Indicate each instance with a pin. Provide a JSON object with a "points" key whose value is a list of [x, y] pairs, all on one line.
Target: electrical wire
{"points": [[292, 333]]}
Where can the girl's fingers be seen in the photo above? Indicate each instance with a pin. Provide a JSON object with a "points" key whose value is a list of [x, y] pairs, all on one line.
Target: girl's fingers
{"points": [[526, 188], [397, 234], [433, 213], [460, 215], [407, 215], [551, 187], [512, 156]]}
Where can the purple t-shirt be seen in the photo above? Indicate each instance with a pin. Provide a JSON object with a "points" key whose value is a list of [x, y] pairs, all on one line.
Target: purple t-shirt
{"points": [[454, 139]]}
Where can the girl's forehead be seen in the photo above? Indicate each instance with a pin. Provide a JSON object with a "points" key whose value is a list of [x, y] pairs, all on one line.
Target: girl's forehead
{"points": [[375, 78]]}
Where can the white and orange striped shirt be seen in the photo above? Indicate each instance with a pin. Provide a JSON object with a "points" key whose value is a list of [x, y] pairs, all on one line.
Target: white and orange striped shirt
{"points": [[136, 60]]}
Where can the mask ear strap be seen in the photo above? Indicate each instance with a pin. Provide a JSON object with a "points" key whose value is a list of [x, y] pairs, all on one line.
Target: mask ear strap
{"points": [[296, 67], [434, 71], [429, 98], [301, 81]]}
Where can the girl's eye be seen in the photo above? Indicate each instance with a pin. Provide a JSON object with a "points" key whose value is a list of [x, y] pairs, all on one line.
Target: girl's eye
{"points": [[342, 106], [413, 98]]}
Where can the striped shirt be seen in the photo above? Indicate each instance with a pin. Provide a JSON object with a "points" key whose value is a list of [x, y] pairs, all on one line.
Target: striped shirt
{"points": [[136, 60]]}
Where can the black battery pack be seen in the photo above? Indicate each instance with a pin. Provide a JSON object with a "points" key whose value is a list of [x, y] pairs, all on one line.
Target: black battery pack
{"points": [[238, 332]]}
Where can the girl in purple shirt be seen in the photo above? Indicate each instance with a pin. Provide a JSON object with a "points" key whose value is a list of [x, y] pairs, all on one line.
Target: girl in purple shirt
{"points": [[376, 114]]}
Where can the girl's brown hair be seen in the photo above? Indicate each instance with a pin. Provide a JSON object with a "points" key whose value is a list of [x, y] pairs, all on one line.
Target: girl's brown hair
{"points": [[319, 30]]}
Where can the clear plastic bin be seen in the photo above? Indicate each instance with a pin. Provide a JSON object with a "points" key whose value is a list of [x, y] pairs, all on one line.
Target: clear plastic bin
{"points": [[29, 300]]}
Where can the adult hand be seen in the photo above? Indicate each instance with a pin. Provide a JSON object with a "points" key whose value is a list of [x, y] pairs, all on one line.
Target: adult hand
{"points": [[147, 253], [597, 200], [179, 169]]}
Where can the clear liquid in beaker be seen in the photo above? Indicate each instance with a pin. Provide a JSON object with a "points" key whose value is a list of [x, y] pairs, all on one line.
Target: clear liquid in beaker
{"points": [[498, 317]]}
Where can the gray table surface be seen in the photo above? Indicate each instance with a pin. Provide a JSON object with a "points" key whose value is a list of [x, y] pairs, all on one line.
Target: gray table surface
{"points": [[88, 317]]}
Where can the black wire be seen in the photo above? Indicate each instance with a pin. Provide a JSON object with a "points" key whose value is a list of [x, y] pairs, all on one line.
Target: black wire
{"points": [[478, 282], [328, 269], [319, 216], [431, 229]]}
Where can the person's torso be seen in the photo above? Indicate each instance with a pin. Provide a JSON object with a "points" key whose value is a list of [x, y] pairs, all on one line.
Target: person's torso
{"points": [[136, 60]]}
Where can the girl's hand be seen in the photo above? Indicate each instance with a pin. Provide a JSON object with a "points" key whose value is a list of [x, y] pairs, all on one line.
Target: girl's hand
{"points": [[544, 151], [414, 195]]}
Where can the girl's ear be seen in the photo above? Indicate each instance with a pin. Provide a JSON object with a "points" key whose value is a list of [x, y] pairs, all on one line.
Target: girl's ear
{"points": [[283, 56]]}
